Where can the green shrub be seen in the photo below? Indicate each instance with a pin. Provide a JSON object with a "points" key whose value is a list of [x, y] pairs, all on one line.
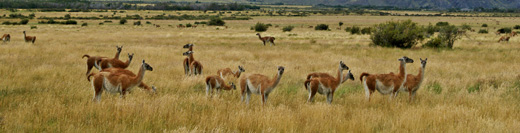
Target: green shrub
{"points": [[84, 24], [137, 23], [122, 21], [101, 23], [24, 21], [34, 27], [435, 88], [401, 34], [287, 28], [107, 21], [483, 31], [321, 27], [355, 30], [366, 30], [474, 88], [6, 23], [188, 25], [446, 38], [430, 29], [465, 27], [516, 27], [442, 24], [260, 27], [216, 21], [504, 30], [73, 22], [484, 25], [348, 29], [148, 22]]}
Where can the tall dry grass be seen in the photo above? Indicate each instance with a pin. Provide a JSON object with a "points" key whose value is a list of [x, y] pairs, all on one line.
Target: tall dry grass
{"points": [[43, 87]]}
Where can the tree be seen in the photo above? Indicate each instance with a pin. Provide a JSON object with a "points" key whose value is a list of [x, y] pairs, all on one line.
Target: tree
{"points": [[401, 34]]}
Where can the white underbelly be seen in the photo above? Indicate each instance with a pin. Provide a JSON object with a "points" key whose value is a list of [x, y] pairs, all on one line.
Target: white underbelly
{"points": [[324, 90], [254, 88], [384, 89]]}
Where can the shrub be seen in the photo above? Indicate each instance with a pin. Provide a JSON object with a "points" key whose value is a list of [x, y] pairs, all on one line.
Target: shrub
{"points": [[348, 29], [122, 21], [188, 25], [216, 21], [67, 16], [260, 27], [516, 27], [401, 34], [484, 25], [73, 22], [101, 23], [321, 27], [287, 28], [24, 21], [446, 38], [482, 31], [84, 24], [366, 30], [340, 24], [355, 30], [34, 27], [107, 21], [6, 23], [442, 24], [465, 27], [148, 22], [430, 29], [137, 23], [203, 22], [504, 30]]}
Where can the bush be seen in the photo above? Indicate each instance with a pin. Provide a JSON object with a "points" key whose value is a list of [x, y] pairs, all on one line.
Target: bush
{"points": [[482, 31], [321, 27], [366, 30], [516, 27], [6, 23], [84, 24], [216, 21], [148, 22], [188, 25], [34, 27], [446, 38], [465, 27], [260, 27], [24, 21], [107, 21], [442, 24], [348, 29], [430, 29], [287, 28], [101, 23], [401, 34], [504, 30], [137, 23], [73, 22], [484, 25], [355, 30], [122, 21]]}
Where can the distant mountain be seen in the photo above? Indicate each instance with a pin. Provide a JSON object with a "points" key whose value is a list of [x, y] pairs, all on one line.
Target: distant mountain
{"points": [[435, 4]]}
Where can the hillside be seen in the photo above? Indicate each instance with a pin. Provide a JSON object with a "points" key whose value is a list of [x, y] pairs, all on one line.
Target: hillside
{"points": [[436, 4]]}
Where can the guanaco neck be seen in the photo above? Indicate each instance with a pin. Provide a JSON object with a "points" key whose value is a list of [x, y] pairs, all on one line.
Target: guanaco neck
{"points": [[140, 75], [402, 72], [275, 80], [339, 77], [190, 59], [128, 61], [237, 74], [260, 37], [24, 36], [117, 55], [226, 87], [191, 48], [421, 73]]}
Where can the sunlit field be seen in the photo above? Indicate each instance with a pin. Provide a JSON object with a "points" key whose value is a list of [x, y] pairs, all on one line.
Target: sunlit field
{"points": [[474, 87]]}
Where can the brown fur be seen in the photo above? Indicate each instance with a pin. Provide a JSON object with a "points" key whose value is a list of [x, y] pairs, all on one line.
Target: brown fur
{"points": [[227, 71], [195, 67], [504, 38], [186, 63], [216, 82], [387, 80], [129, 73], [114, 62], [29, 38], [6, 38], [266, 39], [124, 82], [413, 82], [255, 80], [92, 59], [513, 33], [317, 75], [325, 85]]}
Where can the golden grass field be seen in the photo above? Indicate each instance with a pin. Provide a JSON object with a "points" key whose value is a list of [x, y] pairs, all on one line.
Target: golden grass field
{"points": [[43, 87]]}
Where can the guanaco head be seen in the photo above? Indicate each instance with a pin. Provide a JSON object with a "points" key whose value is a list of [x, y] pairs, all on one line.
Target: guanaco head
{"points": [[24, 32], [188, 45], [241, 69], [349, 75], [187, 53], [343, 66], [130, 56], [405, 59], [257, 34], [233, 85], [147, 66], [280, 70], [119, 49], [423, 62]]}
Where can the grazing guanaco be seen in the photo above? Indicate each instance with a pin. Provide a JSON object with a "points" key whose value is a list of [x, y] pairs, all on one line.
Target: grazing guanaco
{"points": [[113, 62], [6, 38], [216, 82], [259, 84], [266, 39], [385, 83], [92, 59], [325, 85], [115, 82], [413, 82], [513, 33], [29, 38], [195, 66], [186, 63], [504, 38], [227, 71], [346, 77]]}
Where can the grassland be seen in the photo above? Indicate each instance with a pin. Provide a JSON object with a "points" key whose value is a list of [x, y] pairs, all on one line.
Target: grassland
{"points": [[473, 88]]}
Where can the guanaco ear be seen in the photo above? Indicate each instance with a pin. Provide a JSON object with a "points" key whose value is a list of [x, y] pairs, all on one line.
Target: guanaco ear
{"points": [[426, 59]]}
